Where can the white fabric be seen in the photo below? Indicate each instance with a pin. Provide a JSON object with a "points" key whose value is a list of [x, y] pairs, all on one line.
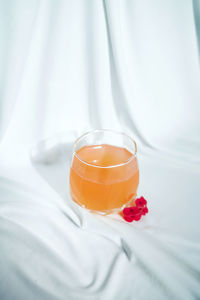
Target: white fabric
{"points": [[70, 66]]}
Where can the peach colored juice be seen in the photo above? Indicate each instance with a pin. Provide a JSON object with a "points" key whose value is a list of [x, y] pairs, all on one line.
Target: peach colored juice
{"points": [[103, 177]]}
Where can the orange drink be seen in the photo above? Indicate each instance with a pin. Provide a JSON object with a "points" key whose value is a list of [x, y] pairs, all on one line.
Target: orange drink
{"points": [[104, 177]]}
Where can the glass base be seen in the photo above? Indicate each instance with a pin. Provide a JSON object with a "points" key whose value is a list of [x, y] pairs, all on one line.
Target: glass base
{"points": [[108, 211]]}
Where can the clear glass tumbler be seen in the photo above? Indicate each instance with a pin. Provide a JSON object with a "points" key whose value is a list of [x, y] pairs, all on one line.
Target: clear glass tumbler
{"points": [[104, 174]]}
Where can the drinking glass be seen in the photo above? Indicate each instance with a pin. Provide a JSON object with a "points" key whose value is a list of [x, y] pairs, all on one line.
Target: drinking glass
{"points": [[104, 174]]}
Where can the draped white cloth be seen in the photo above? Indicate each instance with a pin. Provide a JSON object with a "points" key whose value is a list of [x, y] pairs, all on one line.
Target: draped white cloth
{"points": [[70, 66]]}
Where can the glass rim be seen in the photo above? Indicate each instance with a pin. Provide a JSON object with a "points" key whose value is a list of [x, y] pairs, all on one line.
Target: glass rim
{"points": [[105, 130]]}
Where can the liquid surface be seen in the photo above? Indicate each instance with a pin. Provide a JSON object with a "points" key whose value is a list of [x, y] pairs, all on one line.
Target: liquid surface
{"points": [[107, 188], [104, 155]]}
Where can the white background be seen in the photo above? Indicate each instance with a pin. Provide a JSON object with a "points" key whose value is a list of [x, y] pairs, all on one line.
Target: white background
{"points": [[70, 66]]}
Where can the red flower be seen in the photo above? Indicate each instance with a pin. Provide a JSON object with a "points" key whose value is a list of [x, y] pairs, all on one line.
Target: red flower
{"points": [[140, 202], [128, 218], [134, 213], [131, 211], [137, 217], [134, 210], [144, 210], [126, 211]]}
